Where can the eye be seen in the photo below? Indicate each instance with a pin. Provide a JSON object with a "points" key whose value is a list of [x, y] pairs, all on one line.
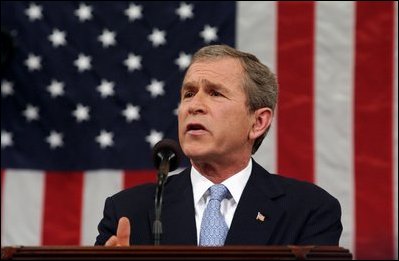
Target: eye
{"points": [[188, 94], [215, 93]]}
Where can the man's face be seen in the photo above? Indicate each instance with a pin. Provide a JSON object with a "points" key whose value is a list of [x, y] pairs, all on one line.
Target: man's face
{"points": [[214, 121]]}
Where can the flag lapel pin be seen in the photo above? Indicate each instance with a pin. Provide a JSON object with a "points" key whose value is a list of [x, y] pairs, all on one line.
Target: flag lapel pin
{"points": [[260, 217]]}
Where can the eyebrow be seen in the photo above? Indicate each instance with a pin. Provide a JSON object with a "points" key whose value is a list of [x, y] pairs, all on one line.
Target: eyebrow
{"points": [[208, 84]]}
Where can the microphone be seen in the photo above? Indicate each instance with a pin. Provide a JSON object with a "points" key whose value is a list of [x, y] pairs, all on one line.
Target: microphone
{"points": [[166, 155], [164, 151]]}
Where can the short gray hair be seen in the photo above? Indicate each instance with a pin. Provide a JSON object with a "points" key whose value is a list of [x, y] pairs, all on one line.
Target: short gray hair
{"points": [[260, 84]]}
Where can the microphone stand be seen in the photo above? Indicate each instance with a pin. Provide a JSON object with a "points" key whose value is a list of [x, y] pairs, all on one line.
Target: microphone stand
{"points": [[162, 176]]}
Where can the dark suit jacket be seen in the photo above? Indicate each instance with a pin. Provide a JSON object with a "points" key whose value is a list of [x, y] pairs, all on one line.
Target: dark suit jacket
{"points": [[296, 212]]}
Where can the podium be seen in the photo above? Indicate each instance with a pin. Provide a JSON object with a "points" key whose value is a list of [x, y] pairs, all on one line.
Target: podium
{"points": [[176, 253]]}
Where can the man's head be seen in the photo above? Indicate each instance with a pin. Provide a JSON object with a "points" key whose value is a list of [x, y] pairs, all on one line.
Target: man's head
{"points": [[228, 99]]}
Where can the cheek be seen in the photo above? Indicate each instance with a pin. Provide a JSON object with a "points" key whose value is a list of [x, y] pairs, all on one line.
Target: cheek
{"points": [[180, 123], [180, 111], [238, 125], [180, 127]]}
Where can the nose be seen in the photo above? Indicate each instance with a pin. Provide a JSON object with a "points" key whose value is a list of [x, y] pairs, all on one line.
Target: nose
{"points": [[197, 104]]}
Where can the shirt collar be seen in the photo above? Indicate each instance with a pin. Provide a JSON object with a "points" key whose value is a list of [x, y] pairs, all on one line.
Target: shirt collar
{"points": [[235, 183]]}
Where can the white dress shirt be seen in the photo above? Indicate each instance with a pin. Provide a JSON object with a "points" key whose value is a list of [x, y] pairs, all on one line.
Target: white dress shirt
{"points": [[235, 184]]}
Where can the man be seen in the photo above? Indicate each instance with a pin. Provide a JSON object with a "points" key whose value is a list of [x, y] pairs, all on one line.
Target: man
{"points": [[227, 105]]}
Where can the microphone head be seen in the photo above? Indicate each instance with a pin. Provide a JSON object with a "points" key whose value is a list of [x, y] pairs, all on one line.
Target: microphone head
{"points": [[167, 148]]}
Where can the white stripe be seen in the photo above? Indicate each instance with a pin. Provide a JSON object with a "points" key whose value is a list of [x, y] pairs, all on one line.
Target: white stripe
{"points": [[21, 223], [395, 133], [333, 107], [256, 33], [98, 185]]}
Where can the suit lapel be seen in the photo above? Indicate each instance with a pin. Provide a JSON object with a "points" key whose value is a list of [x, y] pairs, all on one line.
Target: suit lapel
{"points": [[178, 214], [257, 214]]}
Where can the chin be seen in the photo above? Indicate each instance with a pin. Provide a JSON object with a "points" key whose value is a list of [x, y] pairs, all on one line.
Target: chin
{"points": [[194, 152]]}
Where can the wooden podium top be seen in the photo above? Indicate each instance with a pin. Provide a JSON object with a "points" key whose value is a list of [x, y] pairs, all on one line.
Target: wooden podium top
{"points": [[176, 253]]}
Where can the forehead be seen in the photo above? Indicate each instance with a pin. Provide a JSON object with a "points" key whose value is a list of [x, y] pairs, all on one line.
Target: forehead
{"points": [[220, 69]]}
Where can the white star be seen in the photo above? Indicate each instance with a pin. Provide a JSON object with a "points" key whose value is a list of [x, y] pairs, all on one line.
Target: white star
{"points": [[83, 62], [133, 62], [105, 139], [131, 112], [81, 113], [55, 139], [56, 88], [57, 38], [106, 88], [6, 139], [6, 88], [84, 12], [154, 137], [183, 61], [157, 37], [134, 12], [31, 113], [33, 62], [156, 88], [209, 33], [34, 12], [107, 38], [185, 11]]}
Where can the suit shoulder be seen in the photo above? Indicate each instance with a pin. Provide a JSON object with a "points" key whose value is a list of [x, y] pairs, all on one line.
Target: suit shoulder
{"points": [[147, 190], [140, 191], [296, 190], [295, 184], [305, 191]]}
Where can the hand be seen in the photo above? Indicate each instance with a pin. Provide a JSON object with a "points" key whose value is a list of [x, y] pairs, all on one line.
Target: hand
{"points": [[122, 234]]}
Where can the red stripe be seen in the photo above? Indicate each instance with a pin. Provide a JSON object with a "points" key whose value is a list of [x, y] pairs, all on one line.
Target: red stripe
{"points": [[62, 208], [373, 130], [295, 73], [138, 177]]}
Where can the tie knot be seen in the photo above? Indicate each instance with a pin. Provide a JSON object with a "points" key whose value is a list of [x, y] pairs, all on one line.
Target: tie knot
{"points": [[218, 192]]}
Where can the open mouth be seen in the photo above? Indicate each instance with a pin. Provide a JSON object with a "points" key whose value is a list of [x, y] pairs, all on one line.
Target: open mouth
{"points": [[195, 128]]}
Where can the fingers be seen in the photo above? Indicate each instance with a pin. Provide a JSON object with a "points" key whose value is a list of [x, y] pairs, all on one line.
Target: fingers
{"points": [[112, 241], [123, 232]]}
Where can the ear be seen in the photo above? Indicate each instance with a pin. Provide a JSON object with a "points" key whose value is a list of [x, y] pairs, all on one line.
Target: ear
{"points": [[262, 120]]}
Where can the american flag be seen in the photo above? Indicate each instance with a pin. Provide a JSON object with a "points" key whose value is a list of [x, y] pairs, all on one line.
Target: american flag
{"points": [[92, 86]]}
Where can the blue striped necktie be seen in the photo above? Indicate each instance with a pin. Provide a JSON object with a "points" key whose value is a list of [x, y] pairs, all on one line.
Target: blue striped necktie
{"points": [[213, 226]]}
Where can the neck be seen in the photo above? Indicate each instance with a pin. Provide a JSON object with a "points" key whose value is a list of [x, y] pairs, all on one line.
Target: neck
{"points": [[217, 172]]}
